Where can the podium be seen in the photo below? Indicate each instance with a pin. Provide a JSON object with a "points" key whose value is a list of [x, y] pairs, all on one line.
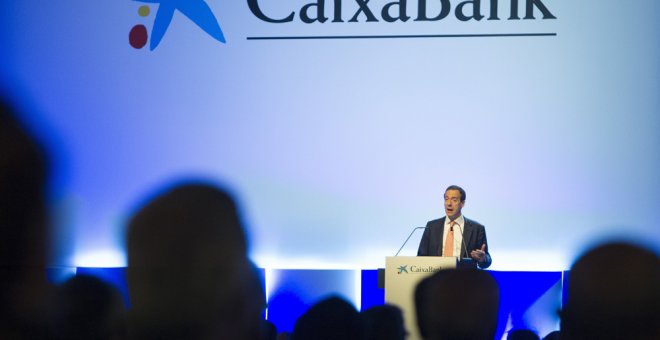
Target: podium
{"points": [[402, 274]]}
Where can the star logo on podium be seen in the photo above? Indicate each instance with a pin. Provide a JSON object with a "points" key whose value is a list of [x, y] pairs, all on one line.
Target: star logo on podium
{"points": [[403, 269]]}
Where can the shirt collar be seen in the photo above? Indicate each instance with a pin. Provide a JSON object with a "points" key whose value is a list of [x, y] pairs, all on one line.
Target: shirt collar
{"points": [[460, 220]]}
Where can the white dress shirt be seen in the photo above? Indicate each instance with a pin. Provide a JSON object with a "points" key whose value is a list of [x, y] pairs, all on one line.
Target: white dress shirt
{"points": [[458, 235]]}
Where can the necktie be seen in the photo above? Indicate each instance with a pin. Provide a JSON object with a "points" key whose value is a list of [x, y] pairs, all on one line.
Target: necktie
{"points": [[449, 242]]}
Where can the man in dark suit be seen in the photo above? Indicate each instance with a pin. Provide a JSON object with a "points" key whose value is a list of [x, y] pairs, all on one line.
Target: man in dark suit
{"points": [[455, 235]]}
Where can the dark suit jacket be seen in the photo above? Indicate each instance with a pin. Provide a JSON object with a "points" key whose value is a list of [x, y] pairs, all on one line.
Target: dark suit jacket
{"points": [[474, 236]]}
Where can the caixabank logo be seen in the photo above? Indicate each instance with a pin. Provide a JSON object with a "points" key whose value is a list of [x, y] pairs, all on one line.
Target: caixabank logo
{"points": [[196, 10], [331, 13], [403, 269]]}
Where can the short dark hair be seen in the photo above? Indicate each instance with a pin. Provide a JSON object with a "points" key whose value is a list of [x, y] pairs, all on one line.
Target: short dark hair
{"points": [[615, 301], [475, 292], [456, 187]]}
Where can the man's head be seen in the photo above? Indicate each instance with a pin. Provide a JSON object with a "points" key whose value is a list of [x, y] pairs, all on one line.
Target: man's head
{"points": [[23, 180], [454, 201], [188, 273], [330, 318], [24, 170], [613, 294], [474, 299]]}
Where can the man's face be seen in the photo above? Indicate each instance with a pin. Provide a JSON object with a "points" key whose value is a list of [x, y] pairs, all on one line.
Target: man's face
{"points": [[453, 204]]}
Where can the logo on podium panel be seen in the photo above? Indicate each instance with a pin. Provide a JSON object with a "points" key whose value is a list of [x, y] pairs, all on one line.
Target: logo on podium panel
{"points": [[403, 269]]}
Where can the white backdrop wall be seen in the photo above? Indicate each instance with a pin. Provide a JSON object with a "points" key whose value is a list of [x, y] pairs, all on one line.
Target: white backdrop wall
{"points": [[337, 148]]}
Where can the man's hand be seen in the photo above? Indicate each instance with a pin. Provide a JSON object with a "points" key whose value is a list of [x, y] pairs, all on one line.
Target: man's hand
{"points": [[479, 255]]}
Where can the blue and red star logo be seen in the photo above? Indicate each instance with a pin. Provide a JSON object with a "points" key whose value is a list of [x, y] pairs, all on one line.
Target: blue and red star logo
{"points": [[196, 10]]}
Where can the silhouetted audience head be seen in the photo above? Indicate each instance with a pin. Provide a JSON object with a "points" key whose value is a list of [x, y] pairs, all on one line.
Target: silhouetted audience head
{"points": [[522, 334], [554, 335], [284, 336], [383, 323], [188, 274], [457, 304], [88, 308], [23, 229], [613, 293], [268, 330], [331, 318]]}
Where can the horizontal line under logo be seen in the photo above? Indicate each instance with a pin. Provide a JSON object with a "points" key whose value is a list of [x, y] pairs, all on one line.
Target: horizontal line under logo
{"points": [[408, 36]]}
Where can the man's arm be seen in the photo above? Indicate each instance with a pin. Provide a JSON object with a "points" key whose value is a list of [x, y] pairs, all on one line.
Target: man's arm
{"points": [[481, 254]]}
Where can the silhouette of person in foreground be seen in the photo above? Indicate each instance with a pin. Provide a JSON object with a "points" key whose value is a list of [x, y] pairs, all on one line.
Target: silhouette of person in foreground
{"points": [[284, 335], [329, 319], [554, 335], [613, 293], [268, 330], [457, 304], [23, 231], [522, 334], [188, 274], [88, 308], [383, 323]]}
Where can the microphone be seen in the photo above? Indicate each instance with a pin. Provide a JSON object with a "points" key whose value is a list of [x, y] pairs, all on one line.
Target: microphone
{"points": [[406, 241]]}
